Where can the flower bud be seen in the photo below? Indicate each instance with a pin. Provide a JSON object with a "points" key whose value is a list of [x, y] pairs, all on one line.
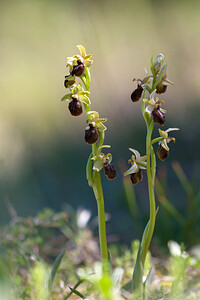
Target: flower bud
{"points": [[109, 170], [75, 107], [159, 61], [158, 116], [79, 69], [69, 80], [162, 152], [136, 94], [161, 88], [91, 134]]}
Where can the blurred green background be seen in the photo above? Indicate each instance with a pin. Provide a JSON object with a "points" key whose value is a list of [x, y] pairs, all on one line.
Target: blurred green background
{"points": [[42, 150]]}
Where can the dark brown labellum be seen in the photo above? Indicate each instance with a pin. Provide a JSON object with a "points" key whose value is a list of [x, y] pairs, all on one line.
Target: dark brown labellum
{"points": [[109, 170], [69, 80], [139, 175], [158, 116], [136, 94], [162, 152], [91, 135], [161, 88], [134, 178], [75, 107], [79, 69]]}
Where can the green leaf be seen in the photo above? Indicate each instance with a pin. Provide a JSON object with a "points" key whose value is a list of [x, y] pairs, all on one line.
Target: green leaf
{"points": [[77, 284], [137, 283], [152, 67], [77, 293], [127, 286], [67, 97], [110, 259], [55, 268], [147, 282]]}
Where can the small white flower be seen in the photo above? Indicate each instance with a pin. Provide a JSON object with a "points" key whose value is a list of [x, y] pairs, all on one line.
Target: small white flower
{"points": [[166, 138], [152, 104], [137, 161]]}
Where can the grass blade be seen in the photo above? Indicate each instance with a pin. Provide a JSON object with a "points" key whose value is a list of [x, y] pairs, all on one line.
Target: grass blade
{"points": [[77, 293], [55, 269], [78, 283]]}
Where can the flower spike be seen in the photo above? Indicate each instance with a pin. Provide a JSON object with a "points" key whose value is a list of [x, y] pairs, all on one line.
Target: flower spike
{"points": [[138, 164]]}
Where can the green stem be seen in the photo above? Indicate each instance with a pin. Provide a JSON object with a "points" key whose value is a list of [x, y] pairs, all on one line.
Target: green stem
{"points": [[94, 180], [150, 176], [97, 188], [98, 192]]}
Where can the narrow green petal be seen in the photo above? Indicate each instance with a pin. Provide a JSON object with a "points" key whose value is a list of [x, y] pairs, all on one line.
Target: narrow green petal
{"points": [[82, 50], [163, 133], [100, 120], [93, 115], [84, 99], [101, 127], [143, 158], [87, 56], [104, 146], [87, 63], [87, 93]]}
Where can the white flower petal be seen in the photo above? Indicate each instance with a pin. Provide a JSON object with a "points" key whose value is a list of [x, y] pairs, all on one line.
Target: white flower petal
{"points": [[164, 145], [171, 129], [149, 109], [133, 169], [137, 154], [143, 168]]}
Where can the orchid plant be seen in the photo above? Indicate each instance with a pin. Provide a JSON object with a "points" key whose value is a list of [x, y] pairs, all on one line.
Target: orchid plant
{"points": [[79, 97], [154, 83]]}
